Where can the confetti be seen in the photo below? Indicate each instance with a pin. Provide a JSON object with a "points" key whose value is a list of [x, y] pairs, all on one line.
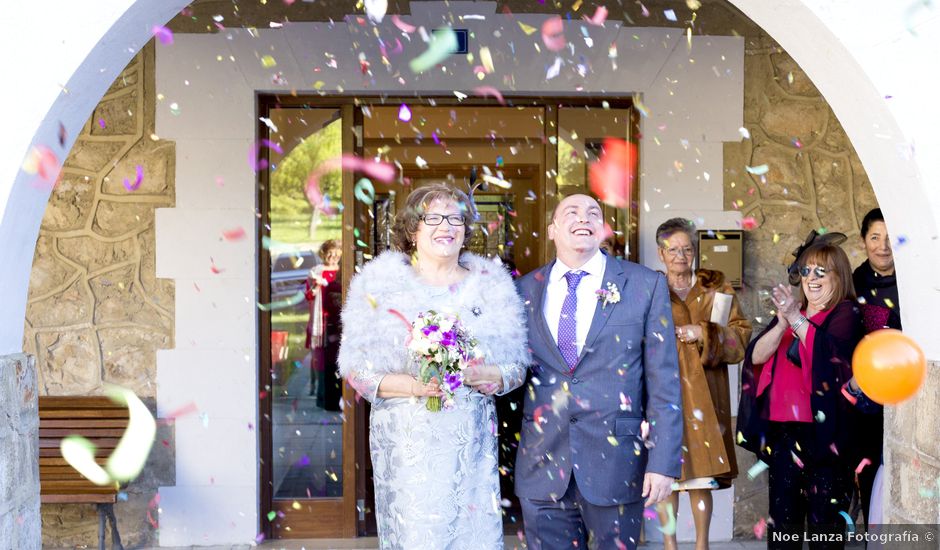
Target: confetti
{"points": [[257, 163], [760, 529], [861, 465], [745, 134], [553, 70], [63, 135], [670, 15], [402, 26], [443, 43], [268, 62], [553, 34], [163, 34], [375, 10], [41, 161], [286, 302], [486, 58], [137, 181], [128, 458], [749, 223], [756, 469], [235, 234], [759, 170], [404, 113], [364, 191], [489, 91], [527, 29], [611, 177], [849, 522]]}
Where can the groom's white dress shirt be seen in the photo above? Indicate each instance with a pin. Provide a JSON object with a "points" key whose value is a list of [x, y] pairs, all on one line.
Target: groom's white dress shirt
{"points": [[557, 289]]}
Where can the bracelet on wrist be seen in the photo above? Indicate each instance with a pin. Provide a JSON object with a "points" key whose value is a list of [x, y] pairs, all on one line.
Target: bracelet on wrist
{"points": [[795, 326]]}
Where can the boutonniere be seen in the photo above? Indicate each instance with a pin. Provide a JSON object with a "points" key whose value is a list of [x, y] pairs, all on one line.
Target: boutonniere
{"points": [[609, 295]]}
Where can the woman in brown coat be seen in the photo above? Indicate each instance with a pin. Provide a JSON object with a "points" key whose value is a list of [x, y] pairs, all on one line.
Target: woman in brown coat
{"points": [[711, 331]]}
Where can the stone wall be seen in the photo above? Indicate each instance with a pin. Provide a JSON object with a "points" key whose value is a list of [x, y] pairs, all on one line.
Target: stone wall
{"points": [[19, 454], [97, 313]]}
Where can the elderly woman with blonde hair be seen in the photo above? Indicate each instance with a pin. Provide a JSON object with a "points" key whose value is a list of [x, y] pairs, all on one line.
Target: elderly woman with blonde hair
{"points": [[436, 478]]}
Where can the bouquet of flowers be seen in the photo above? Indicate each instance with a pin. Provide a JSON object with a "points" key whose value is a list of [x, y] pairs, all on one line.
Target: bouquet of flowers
{"points": [[443, 348]]}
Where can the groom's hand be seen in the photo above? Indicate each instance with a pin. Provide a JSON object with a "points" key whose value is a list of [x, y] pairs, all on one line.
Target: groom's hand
{"points": [[656, 487]]}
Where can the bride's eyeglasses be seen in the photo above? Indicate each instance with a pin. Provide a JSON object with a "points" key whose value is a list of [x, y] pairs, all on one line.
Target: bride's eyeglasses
{"points": [[456, 220], [819, 270]]}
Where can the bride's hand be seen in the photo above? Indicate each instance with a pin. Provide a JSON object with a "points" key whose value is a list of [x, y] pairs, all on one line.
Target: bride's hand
{"points": [[431, 389]]}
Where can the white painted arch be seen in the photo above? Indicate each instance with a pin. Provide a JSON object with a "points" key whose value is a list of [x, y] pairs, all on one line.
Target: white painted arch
{"points": [[855, 52]]}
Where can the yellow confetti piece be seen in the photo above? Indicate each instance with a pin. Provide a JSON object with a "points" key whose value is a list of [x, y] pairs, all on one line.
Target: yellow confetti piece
{"points": [[268, 61], [295, 505], [486, 58], [372, 301], [528, 30], [612, 440]]}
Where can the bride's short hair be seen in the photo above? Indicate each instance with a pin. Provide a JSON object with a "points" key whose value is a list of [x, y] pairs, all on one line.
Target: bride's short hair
{"points": [[407, 220]]}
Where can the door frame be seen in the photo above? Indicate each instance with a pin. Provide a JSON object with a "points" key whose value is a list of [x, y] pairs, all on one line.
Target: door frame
{"points": [[344, 517]]}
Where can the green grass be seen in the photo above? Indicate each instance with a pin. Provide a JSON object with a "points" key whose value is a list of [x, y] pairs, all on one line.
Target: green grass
{"points": [[294, 229]]}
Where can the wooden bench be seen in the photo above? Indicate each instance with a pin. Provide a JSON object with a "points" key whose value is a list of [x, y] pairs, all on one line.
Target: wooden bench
{"points": [[102, 422]]}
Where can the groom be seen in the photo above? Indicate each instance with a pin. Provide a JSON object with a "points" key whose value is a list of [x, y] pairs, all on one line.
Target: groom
{"points": [[604, 360]]}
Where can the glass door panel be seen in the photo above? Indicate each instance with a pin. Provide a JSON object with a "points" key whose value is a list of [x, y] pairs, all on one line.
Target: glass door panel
{"points": [[581, 133], [305, 462]]}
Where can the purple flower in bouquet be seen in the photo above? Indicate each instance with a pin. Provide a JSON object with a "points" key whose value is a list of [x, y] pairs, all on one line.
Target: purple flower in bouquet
{"points": [[449, 338], [452, 381]]}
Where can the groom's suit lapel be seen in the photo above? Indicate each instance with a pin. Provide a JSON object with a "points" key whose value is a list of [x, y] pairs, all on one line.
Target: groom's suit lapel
{"points": [[541, 325], [613, 273]]}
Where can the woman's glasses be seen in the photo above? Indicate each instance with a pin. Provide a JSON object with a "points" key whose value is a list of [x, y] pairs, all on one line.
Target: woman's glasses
{"points": [[455, 220], [676, 251], [819, 270]]}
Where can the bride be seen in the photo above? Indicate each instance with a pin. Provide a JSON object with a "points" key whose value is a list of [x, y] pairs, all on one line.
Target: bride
{"points": [[436, 478]]}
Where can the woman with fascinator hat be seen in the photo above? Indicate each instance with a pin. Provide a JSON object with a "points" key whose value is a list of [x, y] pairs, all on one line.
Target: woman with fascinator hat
{"points": [[792, 413]]}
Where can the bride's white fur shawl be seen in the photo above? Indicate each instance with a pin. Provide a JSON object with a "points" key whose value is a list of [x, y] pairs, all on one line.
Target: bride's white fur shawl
{"points": [[387, 296]]}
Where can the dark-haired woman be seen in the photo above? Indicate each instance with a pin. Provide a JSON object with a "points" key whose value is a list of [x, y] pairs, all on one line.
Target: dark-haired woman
{"points": [[800, 364], [435, 473]]}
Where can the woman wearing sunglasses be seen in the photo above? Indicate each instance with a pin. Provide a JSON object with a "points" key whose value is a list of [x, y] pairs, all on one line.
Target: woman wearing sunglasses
{"points": [[799, 365]]}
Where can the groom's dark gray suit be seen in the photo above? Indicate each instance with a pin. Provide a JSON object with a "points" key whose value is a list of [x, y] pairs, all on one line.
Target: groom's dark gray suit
{"points": [[585, 423]]}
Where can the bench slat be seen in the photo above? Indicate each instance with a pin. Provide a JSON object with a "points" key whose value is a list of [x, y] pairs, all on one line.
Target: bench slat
{"points": [[54, 461], [100, 442], [83, 413], [77, 402], [78, 424], [78, 499], [59, 433]]}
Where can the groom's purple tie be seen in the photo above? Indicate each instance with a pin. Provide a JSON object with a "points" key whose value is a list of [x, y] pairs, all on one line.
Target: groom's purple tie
{"points": [[567, 322]]}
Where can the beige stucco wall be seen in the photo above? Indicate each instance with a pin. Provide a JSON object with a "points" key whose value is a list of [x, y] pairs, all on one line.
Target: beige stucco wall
{"points": [[96, 312]]}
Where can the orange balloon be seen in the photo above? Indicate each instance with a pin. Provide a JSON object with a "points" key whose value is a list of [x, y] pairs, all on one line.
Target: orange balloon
{"points": [[889, 366]]}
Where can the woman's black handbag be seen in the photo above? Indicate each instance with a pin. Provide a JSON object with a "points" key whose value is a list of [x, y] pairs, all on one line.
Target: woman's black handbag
{"points": [[753, 410]]}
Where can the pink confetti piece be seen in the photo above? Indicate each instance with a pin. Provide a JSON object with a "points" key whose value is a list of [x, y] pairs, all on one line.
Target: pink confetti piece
{"points": [[760, 529], [236, 234], [257, 163], [137, 181], [101, 123], [796, 460], [553, 34], [600, 15], [404, 113], [399, 315], [749, 223], [380, 171], [214, 268], [41, 161], [489, 91], [402, 26], [163, 34], [861, 465]]}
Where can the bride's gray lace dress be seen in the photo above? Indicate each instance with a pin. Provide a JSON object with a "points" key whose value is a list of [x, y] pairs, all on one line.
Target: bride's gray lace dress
{"points": [[436, 477]]}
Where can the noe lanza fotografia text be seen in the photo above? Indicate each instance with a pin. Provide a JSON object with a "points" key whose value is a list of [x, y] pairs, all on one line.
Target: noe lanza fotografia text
{"points": [[853, 537]]}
